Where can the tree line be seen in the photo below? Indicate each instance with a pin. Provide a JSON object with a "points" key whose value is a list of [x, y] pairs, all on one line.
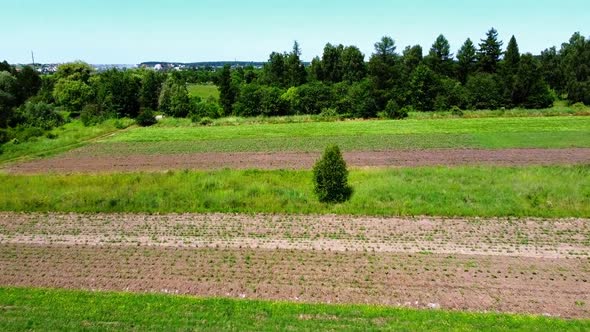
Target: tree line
{"points": [[339, 83]]}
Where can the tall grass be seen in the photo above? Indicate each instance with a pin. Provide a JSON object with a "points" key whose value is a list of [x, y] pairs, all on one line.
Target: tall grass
{"points": [[71, 135], [439, 191]]}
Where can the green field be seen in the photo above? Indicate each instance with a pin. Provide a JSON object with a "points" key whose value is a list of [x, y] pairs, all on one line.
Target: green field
{"points": [[438, 191], [43, 310], [492, 133], [204, 91], [69, 136]]}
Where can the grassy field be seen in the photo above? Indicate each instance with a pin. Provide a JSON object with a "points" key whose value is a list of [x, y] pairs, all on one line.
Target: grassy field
{"points": [[494, 133], [204, 91], [67, 137], [439, 191], [42, 309]]}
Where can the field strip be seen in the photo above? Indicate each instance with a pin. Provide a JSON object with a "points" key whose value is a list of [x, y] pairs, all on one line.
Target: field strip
{"points": [[556, 287], [73, 163], [541, 238]]}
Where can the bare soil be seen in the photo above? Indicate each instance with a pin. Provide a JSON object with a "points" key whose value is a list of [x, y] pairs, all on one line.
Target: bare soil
{"points": [[511, 265], [71, 162]]}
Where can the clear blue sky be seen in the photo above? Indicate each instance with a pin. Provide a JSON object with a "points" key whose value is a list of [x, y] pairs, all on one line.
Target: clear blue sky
{"points": [[132, 31]]}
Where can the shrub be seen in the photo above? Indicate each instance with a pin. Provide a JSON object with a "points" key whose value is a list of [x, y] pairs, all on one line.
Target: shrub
{"points": [[146, 118], [205, 121], [91, 114], [393, 111], [456, 111], [331, 177]]}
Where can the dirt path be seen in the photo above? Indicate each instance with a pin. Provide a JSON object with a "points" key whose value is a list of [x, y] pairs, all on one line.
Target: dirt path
{"points": [[528, 266], [73, 163]]}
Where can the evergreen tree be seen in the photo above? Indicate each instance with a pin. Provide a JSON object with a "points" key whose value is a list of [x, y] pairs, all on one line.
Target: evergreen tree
{"points": [[440, 57], [412, 57], [332, 63], [467, 57], [353, 64], [508, 71], [227, 92], [490, 51], [296, 74], [530, 90], [331, 177], [383, 71]]}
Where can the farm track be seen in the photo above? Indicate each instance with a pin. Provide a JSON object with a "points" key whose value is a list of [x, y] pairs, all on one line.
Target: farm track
{"points": [[510, 265], [77, 162]]}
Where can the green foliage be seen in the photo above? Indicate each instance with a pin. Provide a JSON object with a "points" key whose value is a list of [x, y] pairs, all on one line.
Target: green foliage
{"points": [[28, 83], [8, 90], [174, 99], [73, 95], [467, 57], [146, 118], [151, 85], [331, 177], [40, 115], [227, 91], [205, 109], [484, 91], [117, 92], [529, 89], [424, 87], [576, 57], [91, 115], [393, 111], [490, 51], [440, 58], [74, 71]]}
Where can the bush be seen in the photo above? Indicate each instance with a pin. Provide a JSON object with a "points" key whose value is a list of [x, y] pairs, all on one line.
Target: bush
{"points": [[456, 111], [91, 115], [331, 177], [205, 121], [40, 114], [146, 118], [4, 136], [393, 111]]}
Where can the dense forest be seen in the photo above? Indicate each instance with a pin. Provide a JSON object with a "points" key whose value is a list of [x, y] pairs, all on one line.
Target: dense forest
{"points": [[342, 82]]}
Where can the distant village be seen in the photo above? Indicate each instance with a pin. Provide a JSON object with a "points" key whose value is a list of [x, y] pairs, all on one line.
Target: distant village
{"points": [[163, 66]]}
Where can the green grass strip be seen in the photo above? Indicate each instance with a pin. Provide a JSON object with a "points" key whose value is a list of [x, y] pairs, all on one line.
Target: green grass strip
{"points": [[359, 128], [51, 310], [556, 191]]}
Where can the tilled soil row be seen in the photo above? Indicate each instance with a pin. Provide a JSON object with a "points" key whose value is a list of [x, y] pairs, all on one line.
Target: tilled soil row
{"points": [[73, 163], [527, 266], [557, 287], [531, 237]]}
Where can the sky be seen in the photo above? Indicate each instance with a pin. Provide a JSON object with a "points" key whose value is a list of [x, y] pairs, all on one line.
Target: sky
{"points": [[134, 31]]}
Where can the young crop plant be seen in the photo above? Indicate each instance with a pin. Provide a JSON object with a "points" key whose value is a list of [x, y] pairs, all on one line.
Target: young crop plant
{"points": [[331, 177]]}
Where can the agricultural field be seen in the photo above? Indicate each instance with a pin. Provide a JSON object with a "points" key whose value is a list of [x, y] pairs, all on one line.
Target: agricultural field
{"points": [[457, 223], [203, 91]]}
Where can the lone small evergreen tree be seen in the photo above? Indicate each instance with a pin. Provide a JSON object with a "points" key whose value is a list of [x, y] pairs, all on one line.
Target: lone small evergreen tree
{"points": [[331, 177]]}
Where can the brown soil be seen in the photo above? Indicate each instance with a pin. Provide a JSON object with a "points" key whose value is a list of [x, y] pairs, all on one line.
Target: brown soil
{"points": [[509, 265], [72, 163]]}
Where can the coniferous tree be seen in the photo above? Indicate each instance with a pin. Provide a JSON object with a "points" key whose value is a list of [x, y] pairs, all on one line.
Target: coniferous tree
{"points": [[508, 71], [331, 177], [440, 57], [490, 51], [467, 58], [227, 92], [296, 74], [353, 64]]}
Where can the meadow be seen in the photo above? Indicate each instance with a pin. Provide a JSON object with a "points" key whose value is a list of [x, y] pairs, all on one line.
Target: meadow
{"points": [[203, 91], [553, 191]]}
